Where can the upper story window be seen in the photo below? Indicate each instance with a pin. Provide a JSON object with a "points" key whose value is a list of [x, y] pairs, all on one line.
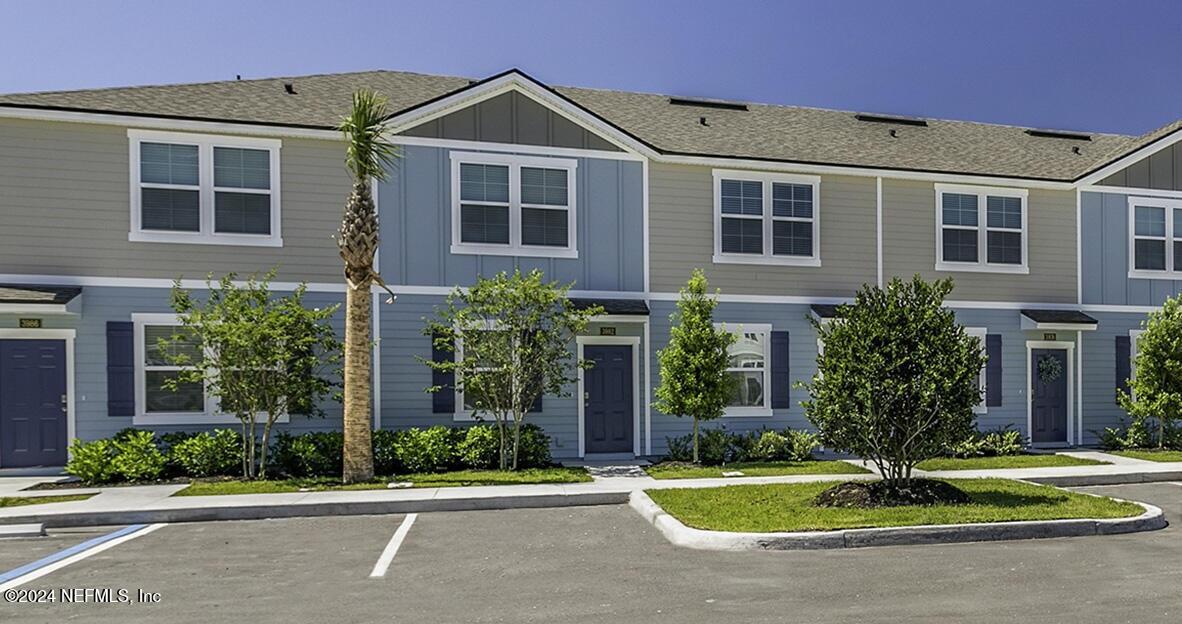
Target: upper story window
{"points": [[1155, 247], [981, 229], [766, 218], [514, 205], [197, 188], [749, 365]]}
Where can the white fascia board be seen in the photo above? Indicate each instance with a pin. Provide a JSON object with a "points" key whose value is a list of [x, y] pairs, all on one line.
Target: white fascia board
{"points": [[162, 123]]}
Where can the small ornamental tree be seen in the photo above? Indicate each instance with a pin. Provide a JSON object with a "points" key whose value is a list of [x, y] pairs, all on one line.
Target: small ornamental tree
{"points": [[1156, 397], [693, 366], [258, 357], [513, 339], [897, 380]]}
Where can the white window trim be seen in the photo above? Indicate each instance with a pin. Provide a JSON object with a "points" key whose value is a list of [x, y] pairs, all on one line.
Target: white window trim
{"points": [[1134, 338], [980, 333], [461, 414], [211, 415], [1173, 268], [205, 144], [982, 265], [515, 247], [767, 257], [765, 410]]}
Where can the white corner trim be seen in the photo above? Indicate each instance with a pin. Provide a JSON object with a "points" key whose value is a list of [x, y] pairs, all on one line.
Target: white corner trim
{"points": [[580, 400], [878, 228]]}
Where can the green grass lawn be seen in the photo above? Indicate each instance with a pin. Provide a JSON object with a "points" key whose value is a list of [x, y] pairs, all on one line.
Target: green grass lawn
{"points": [[443, 479], [18, 501], [753, 469], [788, 507], [1150, 455], [1006, 461]]}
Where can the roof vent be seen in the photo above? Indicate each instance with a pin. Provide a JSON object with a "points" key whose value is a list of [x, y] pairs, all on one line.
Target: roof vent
{"points": [[708, 104], [289, 88], [895, 119], [1059, 134]]}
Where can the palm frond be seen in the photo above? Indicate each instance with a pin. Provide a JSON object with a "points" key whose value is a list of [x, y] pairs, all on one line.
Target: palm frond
{"points": [[368, 152]]}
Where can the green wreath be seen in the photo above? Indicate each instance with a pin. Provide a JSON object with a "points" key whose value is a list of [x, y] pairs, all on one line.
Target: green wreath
{"points": [[1049, 368]]}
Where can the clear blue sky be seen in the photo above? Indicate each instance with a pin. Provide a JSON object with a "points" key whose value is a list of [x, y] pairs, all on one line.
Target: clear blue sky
{"points": [[1082, 64]]}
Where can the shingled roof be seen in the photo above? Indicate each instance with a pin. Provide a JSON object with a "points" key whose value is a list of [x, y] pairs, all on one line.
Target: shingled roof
{"points": [[761, 132]]}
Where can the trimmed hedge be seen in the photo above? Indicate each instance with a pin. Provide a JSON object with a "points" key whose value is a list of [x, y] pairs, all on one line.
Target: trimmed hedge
{"points": [[717, 447], [140, 455]]}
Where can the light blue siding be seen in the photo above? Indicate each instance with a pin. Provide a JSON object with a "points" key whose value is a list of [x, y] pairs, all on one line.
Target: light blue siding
{"points": [[415, 209], [1104, 232], [101, 304], [1099, 373]]}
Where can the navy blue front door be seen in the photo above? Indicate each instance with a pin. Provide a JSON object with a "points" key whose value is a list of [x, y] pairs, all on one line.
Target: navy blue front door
{"points": [[607, 402], [32, 403], [1048, 396]]}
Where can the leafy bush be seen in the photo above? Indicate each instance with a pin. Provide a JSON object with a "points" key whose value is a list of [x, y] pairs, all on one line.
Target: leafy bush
{"points": [[136, 456], [91, 461], [718, 446], [995, 443], [208, 454], [427, 450], [534, 450], [385, 458], [480, 448], [312, 454], [1140, 435]]}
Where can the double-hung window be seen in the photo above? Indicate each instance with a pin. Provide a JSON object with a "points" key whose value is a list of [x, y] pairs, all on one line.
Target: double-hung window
{"points": [[748, 364], [1155, 246], [979, 334], [981, 229], [504, 204], [468, 403], [197, 188], [766, 218]]}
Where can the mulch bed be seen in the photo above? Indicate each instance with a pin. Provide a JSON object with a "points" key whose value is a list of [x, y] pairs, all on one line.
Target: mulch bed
{"points": [[874, 494]]}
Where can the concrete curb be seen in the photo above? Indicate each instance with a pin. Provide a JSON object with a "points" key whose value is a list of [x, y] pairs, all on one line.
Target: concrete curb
{"points": [[21, 530], [302, 510], [681, 535], [1108, 479]]}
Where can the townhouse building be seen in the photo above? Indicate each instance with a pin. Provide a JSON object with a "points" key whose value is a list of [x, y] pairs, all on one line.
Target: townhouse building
{"points": [[1059, 243]]}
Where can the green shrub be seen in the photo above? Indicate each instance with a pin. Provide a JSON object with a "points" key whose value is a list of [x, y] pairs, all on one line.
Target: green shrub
{"points": [[385, 458], [534, 448], [480, 448], [312, 454], [91, 461], [1002, 442], [771, 446], [427, 450], [803, 444], [136, 456], [208, 454]]}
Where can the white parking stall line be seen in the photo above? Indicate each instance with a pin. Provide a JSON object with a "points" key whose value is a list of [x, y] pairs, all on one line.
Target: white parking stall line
{"points": [[59, 560], [384, 561]]}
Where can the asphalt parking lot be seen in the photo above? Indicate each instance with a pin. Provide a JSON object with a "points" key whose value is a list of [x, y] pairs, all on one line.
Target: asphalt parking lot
{"points": [[596, 564]]}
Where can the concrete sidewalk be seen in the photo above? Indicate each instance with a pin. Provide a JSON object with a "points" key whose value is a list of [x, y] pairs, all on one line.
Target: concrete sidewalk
{"points": [[155, 503]]}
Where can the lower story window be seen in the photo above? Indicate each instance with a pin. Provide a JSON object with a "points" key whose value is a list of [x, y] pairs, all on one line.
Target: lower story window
{"points": [[748, 365], [161, 344]]}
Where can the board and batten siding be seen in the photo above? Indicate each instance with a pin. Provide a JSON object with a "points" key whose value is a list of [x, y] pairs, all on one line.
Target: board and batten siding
{"points": [[65, 210], [681, 231], [1162, 171], [416, 212], [1105, 241], [909, 246]]}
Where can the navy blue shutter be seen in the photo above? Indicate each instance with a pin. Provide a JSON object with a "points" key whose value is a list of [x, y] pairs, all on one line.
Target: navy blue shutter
{"points": [[443, 401], [1123, 366], [781, 379], [120, 368], [537, 406], [993, 370]]}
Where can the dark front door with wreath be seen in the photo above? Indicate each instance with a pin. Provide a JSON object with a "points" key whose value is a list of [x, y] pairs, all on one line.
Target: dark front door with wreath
{"points": [[1048, 396]]}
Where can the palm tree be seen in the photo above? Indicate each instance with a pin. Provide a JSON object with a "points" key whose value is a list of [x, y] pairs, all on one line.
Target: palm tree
{"points": [[368, 153]]}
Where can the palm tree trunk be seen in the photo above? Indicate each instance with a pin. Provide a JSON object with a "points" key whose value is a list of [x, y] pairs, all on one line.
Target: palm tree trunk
{"points": [[358, 456]]}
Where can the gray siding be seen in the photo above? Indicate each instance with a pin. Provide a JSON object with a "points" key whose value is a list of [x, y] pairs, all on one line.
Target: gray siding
{"points": [[404, 377], [1100, 409], [511, 118], [65, 209], [100, 305], [681, 226], [909, 246], [1162, 170], [415, 206], [1105, 240]]}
